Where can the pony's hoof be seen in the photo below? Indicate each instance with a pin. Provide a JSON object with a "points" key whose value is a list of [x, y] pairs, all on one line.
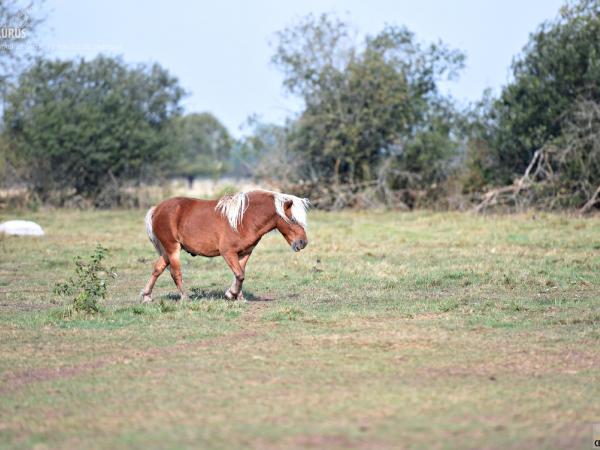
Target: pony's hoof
{"points": [[241, 297], [230, 295], [146, 298]]}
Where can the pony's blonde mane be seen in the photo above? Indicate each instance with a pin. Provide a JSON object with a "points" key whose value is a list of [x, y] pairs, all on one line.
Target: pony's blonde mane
{"points": [[299, 208], [233, 207]]}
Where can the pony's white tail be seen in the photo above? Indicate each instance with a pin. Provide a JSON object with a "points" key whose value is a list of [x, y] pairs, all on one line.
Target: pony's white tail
{"points": [[150, 231]]}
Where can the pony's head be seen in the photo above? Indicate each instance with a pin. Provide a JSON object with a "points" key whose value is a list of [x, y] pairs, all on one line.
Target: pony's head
{"points": [[291, 219], [290, 213]]}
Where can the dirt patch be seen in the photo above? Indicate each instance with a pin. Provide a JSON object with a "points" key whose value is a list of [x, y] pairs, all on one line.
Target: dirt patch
{"points": [[12, 381], [26, 306], [15, 380], [365, 342], [575, 435], [328, 441], [529, 363]]}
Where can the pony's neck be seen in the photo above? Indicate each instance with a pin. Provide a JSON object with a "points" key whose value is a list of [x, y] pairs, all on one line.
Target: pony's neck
{"points": [[268, 226], [269, 221]]}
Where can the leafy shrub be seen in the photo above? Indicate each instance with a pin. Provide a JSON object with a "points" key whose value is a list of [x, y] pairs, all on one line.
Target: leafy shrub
{"points": [[81, 128], [90, 283], [373, 116], [557, 71]]}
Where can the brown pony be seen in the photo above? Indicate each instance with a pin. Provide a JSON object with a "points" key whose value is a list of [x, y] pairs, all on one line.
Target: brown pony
{"points": [[230, 227]]}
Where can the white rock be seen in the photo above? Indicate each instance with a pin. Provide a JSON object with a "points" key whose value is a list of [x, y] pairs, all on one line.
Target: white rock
{"points": [[21, 228]]}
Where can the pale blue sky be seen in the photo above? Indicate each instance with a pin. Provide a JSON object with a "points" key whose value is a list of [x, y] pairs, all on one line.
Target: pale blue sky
{"points": [[220, 50]]}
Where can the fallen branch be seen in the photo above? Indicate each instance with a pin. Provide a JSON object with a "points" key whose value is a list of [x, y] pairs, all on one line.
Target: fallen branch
{"points": [[539, 161], [591, 202]]}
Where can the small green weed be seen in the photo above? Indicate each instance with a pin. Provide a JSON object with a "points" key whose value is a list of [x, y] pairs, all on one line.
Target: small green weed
{"points": [[166, 307], [90, 283]]}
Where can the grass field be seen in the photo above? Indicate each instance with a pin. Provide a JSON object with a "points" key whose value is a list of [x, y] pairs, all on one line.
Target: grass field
{"points": [[391, 330]]}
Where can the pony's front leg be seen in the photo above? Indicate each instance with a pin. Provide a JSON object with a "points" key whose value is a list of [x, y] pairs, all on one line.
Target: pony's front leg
{"points": [[236, 286], [238, 267]]}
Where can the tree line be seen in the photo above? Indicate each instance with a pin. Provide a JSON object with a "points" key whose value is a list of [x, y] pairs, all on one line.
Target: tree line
{"points": [[374, 128]]}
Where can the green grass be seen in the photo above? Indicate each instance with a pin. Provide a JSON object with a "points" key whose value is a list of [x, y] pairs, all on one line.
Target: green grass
{"points": [[391, 330]]}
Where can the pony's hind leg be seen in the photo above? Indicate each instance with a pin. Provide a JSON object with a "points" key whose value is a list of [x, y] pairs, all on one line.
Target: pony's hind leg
{"points": [[159, 267], [175, 267]]}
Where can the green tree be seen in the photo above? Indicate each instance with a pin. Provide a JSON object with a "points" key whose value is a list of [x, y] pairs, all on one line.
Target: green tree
{"points": [[204, 146], [79, 126], [368, 106], [557, 71]]}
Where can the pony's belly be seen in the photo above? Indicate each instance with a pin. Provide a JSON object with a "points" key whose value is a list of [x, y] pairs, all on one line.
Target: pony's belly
{"points": [[201, 250], [247, 251]]}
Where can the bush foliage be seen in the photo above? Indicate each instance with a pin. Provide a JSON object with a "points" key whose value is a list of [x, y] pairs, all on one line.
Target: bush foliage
{"points": [[552, 103], [372, 110]]}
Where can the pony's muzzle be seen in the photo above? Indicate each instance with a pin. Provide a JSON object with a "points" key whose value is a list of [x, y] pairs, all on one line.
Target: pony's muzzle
{"points": [[299, 245]]}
